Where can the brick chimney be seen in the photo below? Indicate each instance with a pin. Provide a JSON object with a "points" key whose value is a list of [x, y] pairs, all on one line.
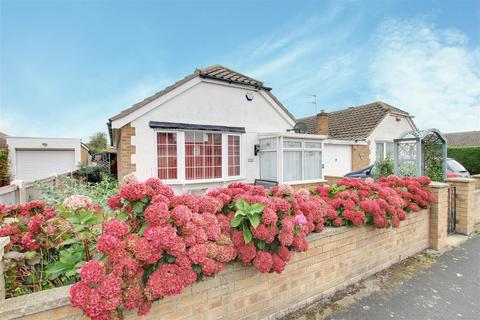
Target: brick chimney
{"points": [[322, 123]]}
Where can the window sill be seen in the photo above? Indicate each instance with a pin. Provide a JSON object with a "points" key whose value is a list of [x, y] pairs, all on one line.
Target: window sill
{"points": [[200, 181]]}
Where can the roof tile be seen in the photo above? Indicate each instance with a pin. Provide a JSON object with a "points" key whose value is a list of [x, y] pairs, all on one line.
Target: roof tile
{"points": [[463, 139], [354, 122]]}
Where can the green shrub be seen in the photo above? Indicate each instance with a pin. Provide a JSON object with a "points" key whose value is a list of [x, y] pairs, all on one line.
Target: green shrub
{"points": [[93, 174], [469, 157], [4, 167], [54, 195], [383, 168]]}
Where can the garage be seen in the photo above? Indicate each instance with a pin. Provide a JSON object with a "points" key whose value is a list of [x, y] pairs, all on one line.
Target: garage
{"points": [[337, 160], [37, 164], [37, 158]]}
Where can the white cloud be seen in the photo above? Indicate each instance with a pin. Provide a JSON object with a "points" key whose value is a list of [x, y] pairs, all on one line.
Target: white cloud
{"points": [[432, 73]]}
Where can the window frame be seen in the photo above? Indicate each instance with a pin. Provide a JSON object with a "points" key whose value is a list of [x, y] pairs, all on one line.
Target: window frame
{"points": [[239, 154], [384, 143], [181, 156], [203, 167], [303, 148], [274, 149]]}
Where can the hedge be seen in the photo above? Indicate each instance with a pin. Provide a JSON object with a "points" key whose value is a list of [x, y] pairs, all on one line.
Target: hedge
{"points": [[4, 167], [469, 157]]}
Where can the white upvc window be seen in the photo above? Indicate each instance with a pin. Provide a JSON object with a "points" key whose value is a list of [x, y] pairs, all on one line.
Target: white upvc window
{"points": [[268, 159], [234, 162], [197, 156], [383, 150], [289, 160], [302, 161]]}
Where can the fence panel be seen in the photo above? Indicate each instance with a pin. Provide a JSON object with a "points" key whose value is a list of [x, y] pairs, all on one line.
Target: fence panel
{"points": [[9, 195]]}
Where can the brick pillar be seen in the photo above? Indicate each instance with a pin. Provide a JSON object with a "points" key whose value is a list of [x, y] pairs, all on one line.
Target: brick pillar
{"points": [[3, 242], [125, 150], [439, 216], [477, 181], [465, 204]]}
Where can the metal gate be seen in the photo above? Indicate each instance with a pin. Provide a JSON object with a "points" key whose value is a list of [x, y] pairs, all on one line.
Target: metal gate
{"points": [[452, 208]]}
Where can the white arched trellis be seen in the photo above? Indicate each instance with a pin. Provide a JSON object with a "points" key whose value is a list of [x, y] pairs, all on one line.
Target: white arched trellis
{"points": [[421, 152]]}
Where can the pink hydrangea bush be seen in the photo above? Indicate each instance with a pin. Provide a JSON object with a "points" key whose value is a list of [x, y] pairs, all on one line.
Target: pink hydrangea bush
{"points": [[40, 239], [26, 225], [173, 241], [383, 203], [161, 242], [285, 219], [77, 202]]}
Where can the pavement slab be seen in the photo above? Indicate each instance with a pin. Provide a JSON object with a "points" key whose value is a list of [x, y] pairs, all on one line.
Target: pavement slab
{"points": [[448, 290]]}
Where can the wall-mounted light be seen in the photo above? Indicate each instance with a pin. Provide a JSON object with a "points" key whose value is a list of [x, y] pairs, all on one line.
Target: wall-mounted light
{"points": [[249, 95], [256, 149]]}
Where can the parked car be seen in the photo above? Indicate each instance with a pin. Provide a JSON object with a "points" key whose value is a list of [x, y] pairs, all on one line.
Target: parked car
{"points": [[362, 173], [456, 170]]}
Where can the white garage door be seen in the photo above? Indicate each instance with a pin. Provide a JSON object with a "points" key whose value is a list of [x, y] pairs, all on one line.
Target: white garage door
{"points": [[337, 160], [37, 164]]}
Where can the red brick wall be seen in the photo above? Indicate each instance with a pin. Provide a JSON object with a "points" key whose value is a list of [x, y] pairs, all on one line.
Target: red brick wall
{"points": [[125, 150], [336, 258]]}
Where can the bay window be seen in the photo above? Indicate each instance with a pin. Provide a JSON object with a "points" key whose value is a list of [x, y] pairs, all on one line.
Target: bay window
{"points": [[197, 155]]}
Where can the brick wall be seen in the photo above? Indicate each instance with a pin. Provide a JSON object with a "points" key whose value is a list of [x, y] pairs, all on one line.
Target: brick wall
{"points": [[439, 216], [333, 179], [465, 204], [360, 157], [336, 257], [125, 150], [308, 186]]}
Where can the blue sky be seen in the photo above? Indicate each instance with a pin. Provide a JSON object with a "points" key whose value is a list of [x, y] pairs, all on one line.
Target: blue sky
{"points": [[67, 66]]}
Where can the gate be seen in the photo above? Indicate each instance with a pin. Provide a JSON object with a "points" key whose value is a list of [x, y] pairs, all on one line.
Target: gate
{"points": [[452, 208]]}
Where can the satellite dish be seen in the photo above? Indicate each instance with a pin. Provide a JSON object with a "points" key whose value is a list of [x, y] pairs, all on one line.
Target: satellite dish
{"points": [[300, 127]]}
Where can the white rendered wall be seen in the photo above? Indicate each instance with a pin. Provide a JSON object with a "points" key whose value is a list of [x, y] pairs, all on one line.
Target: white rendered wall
{"points": [[208, 103], [387, 130], [337, 160], [29, 143]]}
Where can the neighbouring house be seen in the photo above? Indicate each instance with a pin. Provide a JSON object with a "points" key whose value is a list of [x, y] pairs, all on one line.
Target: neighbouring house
{"points": [[214, 127], [3, 140], [376, 123], [36, 158], [463, 139]]}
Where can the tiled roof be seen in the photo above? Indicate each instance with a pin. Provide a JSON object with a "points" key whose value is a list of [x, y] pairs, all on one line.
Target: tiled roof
{"points": [[463, 139], [354, 122], [215, 72], [219, 72]]}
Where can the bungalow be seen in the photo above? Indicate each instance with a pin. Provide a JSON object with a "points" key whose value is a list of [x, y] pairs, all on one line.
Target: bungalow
{"points": [[376, 123], [218, 126]]}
